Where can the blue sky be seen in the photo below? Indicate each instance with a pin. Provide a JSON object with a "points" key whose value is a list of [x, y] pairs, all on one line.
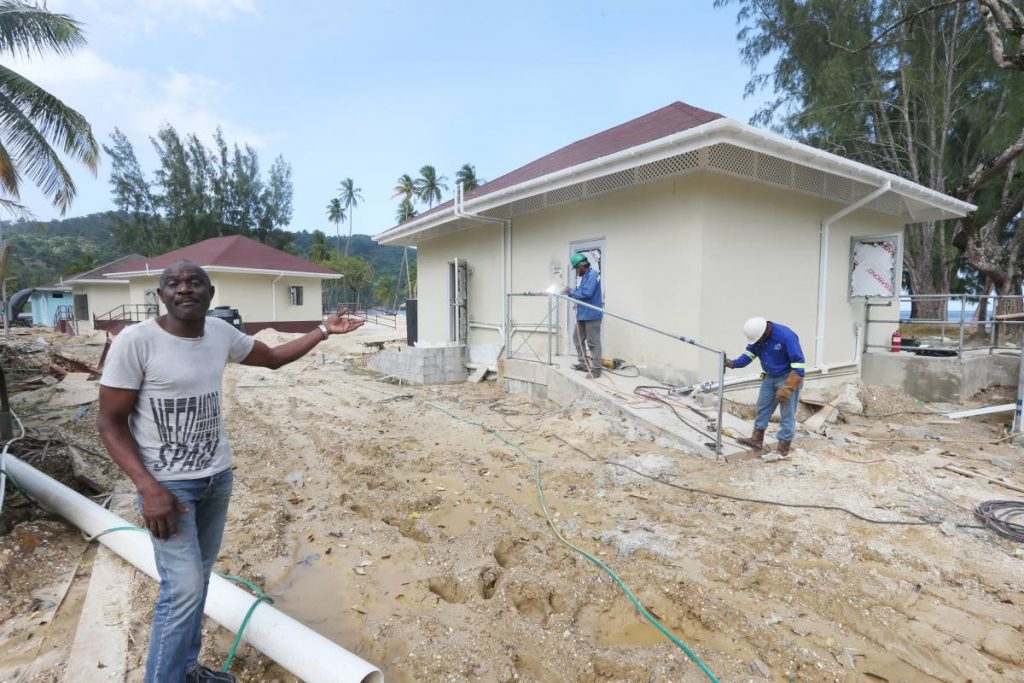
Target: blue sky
{"points": [[371, 90]]}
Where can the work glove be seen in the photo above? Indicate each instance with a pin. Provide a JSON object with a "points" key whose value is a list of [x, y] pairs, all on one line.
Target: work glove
{"points": [[785, 392], [728, 363]]}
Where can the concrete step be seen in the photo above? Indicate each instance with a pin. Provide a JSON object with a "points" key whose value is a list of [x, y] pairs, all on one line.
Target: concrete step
{"points": [[686, 426]]}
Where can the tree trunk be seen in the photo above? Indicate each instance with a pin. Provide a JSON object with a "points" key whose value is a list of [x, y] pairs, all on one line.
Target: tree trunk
{"points": [[926, 269]]}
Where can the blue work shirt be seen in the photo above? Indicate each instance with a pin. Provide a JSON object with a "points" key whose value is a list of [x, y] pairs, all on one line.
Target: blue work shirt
{"points": [[780, 353], [589, 292]]}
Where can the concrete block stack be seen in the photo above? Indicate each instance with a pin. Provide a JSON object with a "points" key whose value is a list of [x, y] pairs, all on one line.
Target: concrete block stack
{"points": [[422, 365]]}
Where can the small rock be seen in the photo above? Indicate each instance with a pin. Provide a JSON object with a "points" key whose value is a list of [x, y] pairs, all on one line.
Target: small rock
{"points": [[911, 433], [1005, 643], [1003, 464], [948, 527], [761, 667], [771, 457]]}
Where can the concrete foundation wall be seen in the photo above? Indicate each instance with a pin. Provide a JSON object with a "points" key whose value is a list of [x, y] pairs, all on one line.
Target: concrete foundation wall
{"points": [[939, 379], [422, 365]]}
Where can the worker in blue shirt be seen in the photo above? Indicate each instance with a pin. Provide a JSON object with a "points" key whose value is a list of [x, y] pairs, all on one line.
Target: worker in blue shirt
{"points": [[782, 360], [588, 321]]}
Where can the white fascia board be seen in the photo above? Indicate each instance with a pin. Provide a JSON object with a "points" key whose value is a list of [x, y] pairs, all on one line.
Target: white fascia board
{"points": [[708, 134], [233, 269], [96, 281]]}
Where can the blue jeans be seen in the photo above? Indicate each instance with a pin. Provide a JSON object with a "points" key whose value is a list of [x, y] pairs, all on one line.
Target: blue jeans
{"points": [[766, 406], [184, 562]]}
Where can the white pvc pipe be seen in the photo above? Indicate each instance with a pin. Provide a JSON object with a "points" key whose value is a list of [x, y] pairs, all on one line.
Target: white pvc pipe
{"points": [[273, 297], [305, 653], [826, 223]]}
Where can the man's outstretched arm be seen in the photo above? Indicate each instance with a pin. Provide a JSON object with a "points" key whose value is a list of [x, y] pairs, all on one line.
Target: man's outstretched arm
{"points": [[274, 357]]}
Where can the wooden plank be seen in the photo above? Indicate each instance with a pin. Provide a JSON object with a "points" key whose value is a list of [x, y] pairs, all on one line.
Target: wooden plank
{"points": [[985, 476], [816, 421], [99, 652], [1009, 316], [1004, 408]]}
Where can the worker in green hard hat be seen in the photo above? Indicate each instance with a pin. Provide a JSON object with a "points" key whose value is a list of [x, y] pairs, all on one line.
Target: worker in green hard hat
{"points": [[587, 335]]}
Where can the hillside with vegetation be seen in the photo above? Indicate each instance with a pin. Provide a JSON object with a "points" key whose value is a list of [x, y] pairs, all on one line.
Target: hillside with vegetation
{"points": [[44, 251]]}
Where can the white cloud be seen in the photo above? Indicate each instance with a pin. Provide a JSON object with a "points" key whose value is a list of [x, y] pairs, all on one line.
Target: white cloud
{"points": [[110, 95]]}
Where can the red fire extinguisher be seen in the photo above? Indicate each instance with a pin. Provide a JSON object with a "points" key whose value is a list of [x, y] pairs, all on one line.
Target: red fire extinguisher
{"points": [[897, 338]]}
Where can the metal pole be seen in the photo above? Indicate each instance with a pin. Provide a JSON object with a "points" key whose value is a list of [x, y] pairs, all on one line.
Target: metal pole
{"points": [[963, 309], [994, 300], [1019, 440], [550, 316], [508, 325], [721, 401]]}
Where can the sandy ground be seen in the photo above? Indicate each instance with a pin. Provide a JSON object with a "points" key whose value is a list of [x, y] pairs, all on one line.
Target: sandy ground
{"points": [[417, 541]]}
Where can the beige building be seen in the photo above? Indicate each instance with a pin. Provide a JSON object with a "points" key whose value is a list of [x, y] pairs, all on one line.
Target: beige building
{"points": [[97, 295], [696, 223], [269, 287]]}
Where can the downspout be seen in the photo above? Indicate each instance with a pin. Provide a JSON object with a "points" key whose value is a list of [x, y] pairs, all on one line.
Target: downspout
{"points": [[273, 297], [506, 237], [826, 223]]}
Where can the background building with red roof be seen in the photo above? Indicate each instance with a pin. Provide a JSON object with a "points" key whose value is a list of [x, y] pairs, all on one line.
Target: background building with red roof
{"points": [[269, 287]]}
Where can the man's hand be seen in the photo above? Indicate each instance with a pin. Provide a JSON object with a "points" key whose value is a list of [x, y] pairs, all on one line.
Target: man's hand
{"points": [[565, 291], [728, 363], [340, 323], [160, 510]]}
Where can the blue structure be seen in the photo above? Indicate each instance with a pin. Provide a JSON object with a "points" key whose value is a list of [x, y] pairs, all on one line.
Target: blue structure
{"points": [[46, 300]]}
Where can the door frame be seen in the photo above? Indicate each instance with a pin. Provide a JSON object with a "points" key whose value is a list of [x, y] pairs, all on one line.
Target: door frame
{"points": [[458, 302]]}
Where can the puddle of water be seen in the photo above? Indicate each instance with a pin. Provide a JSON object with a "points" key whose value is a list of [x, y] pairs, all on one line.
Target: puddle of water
{"points": [[456, 520], [325, 593], [614, 632]]}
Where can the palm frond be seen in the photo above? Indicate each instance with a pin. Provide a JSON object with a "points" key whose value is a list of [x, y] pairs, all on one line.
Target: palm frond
{"points": [[29, 118], [26, 28], [14, 209], [9, 177]]}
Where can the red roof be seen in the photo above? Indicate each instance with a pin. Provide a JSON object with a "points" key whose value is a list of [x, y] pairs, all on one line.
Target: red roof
{"points": [[233, 251], [660, 123], [121, 265]]}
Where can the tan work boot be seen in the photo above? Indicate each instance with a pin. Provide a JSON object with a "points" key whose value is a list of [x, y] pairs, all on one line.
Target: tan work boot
{"points": [[783, 449], [756, 440]]}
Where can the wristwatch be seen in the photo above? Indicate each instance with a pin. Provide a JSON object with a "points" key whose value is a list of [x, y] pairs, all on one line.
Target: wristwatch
{"points": [[323, 330]]}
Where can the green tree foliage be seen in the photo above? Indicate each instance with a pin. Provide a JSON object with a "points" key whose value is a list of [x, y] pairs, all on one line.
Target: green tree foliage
{"points": [[405, 211], [385, 291], [429, 186], [467, 176], [336, 214], [43, 252], [35, 124], [197, 193], [357, 271], [319, 251], [908, 86], [350, 196]]}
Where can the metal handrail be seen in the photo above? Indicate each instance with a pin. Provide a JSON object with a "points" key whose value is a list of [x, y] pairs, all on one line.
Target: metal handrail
{"points": [[553, 297], [991, 323]]}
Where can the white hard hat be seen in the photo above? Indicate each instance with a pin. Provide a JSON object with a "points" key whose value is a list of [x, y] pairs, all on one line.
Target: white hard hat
{"points": [[754, 328]]}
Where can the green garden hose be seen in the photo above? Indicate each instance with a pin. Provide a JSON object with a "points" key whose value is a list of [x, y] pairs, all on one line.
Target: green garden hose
{"points": [[260, 595], [551, 523]]}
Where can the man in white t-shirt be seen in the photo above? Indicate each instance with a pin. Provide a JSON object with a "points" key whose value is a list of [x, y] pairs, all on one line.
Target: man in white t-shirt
{"points": [[161, 420]]}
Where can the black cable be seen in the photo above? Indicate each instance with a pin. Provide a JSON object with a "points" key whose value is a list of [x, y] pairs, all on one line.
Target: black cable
{"points": [[759, 501], [998, 515]]}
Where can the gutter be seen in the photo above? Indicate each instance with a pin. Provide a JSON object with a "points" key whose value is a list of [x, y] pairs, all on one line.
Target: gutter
{"points": [[826, 224]]}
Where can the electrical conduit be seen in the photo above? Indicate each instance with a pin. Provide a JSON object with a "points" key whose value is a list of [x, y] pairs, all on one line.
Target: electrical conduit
{"points": [[305, 653]]}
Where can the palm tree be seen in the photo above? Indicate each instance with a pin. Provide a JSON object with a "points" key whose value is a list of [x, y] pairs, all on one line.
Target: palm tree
{"points": [[429, 185], [32, 121], [350, 196], [336, 214], [404, 188], [406, 211], [467, 176], [319, 251]]}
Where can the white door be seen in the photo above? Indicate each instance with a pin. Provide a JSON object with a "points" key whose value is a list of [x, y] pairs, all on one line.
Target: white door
{"points": [[595, 252], [152, 299], [458, 301]]}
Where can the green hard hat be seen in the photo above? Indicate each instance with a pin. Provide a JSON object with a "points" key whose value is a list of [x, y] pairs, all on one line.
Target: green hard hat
{"points": [[577, 258]]}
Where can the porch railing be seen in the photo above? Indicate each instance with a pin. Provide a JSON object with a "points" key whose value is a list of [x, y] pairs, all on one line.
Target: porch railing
{"points": [[550, 327], [956, 325], [372, 315]]}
